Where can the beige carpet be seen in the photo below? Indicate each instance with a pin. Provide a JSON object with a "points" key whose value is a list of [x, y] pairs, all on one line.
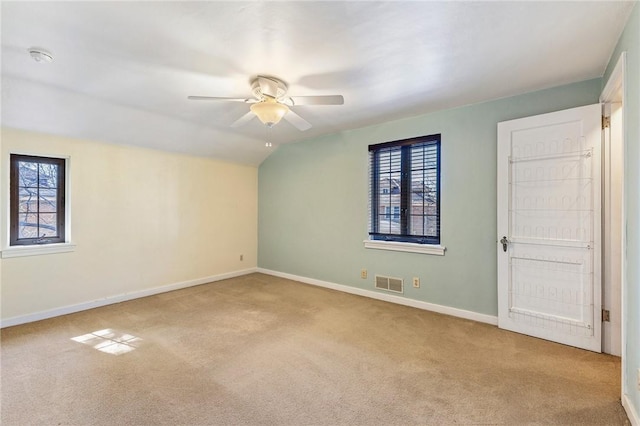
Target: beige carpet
{"points": [[260, 350]]}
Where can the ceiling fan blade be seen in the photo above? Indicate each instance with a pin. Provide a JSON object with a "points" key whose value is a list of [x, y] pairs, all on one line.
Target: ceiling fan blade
{"points": [[243, 120], [214, 98], [317, 100], [297, 121], [268, 86]]}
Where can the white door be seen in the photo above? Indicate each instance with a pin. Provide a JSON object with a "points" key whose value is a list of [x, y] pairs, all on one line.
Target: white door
{"points": [[549, 279]]}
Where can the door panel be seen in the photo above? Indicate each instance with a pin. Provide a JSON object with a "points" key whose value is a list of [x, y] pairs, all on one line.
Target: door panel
{"points": [[549, 211]]}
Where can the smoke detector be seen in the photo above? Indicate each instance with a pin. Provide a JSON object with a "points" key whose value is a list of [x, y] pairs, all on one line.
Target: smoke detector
{"points": [[40, 55]]}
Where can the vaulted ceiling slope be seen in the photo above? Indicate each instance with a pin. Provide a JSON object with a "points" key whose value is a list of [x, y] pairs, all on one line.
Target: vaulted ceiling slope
{"points": [[123, 70]]}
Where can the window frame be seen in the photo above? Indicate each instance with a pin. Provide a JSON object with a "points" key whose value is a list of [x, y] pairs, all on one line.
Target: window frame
{"points": [[61, 207], [403, 240]]}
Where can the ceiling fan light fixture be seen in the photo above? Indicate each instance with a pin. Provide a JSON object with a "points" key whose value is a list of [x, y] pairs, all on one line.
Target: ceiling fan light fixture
{"points": [[269, 111], [271, 103]]}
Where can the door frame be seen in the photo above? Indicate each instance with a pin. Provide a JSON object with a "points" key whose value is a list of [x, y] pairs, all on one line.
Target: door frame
{"points": [[613, 91]]}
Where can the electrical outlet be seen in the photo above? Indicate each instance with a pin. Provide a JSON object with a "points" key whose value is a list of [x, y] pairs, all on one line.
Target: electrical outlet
{"points": [[416, 282], [363, 274], [242, 257]]}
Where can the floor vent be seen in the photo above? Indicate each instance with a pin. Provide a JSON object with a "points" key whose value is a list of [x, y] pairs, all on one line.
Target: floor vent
{"points": [[389, 283]]}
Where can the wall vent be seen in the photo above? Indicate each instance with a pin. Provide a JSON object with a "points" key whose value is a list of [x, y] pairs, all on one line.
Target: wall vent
{"points": [[389, 283]]}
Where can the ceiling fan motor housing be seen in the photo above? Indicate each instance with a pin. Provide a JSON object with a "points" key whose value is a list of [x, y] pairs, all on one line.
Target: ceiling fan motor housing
{"points": [[257, 90]]}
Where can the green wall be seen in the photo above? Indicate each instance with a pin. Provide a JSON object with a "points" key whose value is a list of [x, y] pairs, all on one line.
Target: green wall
{"points": [[630, 42], [313, 202]]}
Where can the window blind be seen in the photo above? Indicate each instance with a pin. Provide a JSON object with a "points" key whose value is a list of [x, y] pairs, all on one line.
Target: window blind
{"points": [[404, 195]]}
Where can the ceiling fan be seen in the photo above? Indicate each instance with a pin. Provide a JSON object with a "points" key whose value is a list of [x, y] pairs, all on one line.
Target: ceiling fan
{"points": [[271, 103]]}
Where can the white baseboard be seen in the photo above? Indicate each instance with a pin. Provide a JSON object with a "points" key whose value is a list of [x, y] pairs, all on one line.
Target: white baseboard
{"points": [[631, 411], [37, 316], [461, 313], [23, 319]]}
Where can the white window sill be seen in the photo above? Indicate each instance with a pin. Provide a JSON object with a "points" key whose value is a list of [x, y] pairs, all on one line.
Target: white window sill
{"points": [[437, 250], [37, 250]]}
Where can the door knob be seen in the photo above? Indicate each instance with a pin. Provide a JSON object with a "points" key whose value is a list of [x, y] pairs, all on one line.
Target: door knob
{"points": [[504, 243]]}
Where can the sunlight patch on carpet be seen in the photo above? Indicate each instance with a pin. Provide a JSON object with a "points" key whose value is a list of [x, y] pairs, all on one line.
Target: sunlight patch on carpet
{"points": [[110, 341]]}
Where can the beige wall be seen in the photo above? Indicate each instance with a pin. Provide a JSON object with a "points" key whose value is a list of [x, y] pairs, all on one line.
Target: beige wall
{"points": [[141, 219]]}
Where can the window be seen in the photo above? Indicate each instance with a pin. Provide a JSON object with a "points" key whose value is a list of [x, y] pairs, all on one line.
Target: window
{"points": [[396, 213], [405, 180], [37, 200]]}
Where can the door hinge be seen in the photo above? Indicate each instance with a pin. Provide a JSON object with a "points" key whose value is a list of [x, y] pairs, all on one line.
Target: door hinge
{"points": [[605, 315], [606, 122]]}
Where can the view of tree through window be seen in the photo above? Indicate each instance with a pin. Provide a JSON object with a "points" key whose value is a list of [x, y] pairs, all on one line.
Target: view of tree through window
{"points": [[37, 200], [405, 190]]}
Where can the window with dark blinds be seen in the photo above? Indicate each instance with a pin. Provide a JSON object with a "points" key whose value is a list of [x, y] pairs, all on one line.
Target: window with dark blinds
{"points": [[404, 196]]}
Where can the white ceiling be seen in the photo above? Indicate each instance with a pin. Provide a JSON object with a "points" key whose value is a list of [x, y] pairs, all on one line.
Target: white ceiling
{"points": [[123, 70]]}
